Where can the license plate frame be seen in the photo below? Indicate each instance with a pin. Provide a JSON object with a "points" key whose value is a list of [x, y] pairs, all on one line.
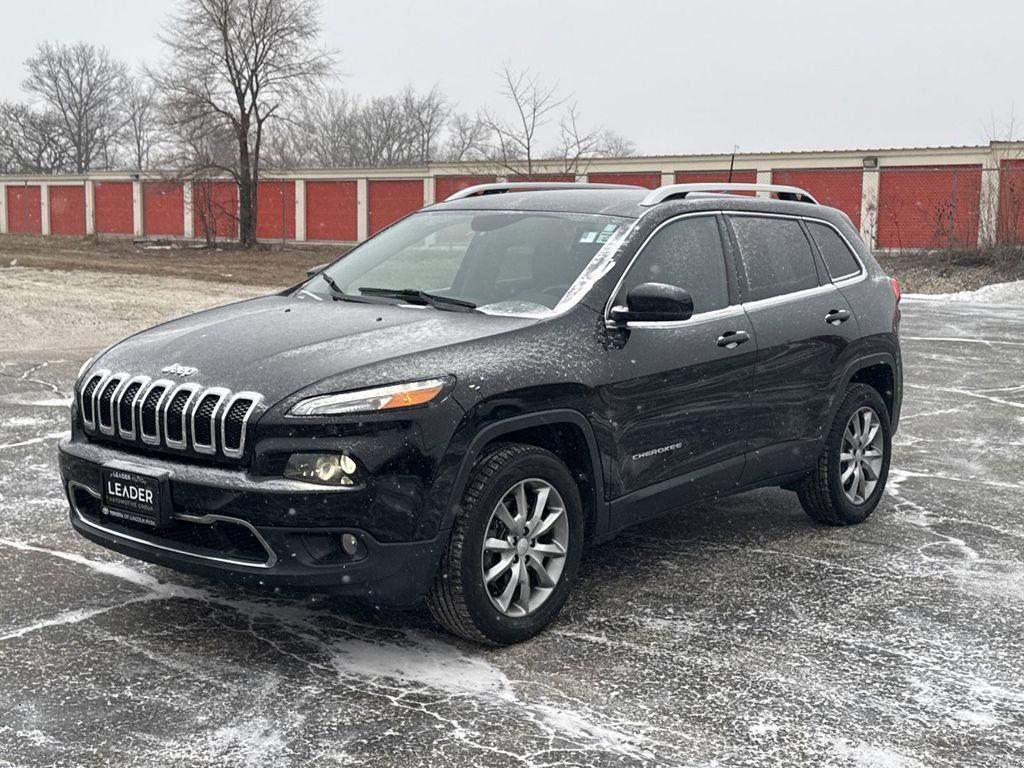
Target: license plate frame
{"points": [[136, 495]]}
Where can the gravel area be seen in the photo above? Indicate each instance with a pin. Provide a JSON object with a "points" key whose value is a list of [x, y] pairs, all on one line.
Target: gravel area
{"points": [[43, 310]]}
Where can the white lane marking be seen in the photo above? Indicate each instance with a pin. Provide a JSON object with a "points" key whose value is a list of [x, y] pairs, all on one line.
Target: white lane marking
{"points": [[73, 617], [35, 440], [959, 340]]}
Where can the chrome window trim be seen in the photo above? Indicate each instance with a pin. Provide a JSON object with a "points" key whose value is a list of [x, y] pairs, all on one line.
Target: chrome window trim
{"points": [[192, 389], [101, 375], [852, 277], [200, 519], [222, 395], [785, 298], [130, 434], [120, 377], [715, 314], [168, 385], [236, 453], [622, 278]]}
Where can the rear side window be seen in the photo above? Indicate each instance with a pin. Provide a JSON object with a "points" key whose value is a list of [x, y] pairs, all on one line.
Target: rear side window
{"points": [[834, 251], [686, 253], [776, 255]]}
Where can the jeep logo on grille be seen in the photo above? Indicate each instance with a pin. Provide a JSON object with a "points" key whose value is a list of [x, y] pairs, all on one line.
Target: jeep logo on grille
{"points": [[182, 371]]}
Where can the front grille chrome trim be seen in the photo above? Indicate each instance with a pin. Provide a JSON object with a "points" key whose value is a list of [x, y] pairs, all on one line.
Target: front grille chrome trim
{"points": [[222, 394], [236, 453], [168, 385], [111, 429], [192, 389], [271, 560], [130, 433], [102, 376]]}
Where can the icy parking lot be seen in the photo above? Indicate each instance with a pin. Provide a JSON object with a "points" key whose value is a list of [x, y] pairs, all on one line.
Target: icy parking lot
{"points": [[734, 634]]}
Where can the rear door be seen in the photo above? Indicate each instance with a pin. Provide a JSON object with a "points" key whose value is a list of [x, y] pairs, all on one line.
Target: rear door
{"points": [[802, 324], [678, 393]]}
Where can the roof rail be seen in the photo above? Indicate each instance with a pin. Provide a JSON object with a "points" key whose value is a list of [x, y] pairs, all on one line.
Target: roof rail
{"points": [[528, 186], [679, 191]]}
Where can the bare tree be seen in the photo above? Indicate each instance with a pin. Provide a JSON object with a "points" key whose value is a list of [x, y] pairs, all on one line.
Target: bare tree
{"points": [[467, 139], [82, 85], [32, 141], [426, 115], [239, 64], [141, 118], [515, 142]]}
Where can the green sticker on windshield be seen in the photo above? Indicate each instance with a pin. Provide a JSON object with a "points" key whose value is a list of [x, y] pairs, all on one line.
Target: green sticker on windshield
{"points": [[607, 232], [588, 237]]}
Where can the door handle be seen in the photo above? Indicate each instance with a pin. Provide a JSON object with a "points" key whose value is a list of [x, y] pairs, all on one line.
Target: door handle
{"points": [[837, 316], [732, 339]]}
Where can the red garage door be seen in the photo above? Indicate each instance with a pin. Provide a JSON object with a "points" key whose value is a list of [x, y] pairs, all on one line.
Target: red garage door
{"points": [[542, 177], [700, 177], [113, 207], [449, 185], [163, 209], [67, 210], [391, 199], [1011, 202], [837, 187], [651, 179], [215, 209], [23, 210], [934, 207], [331, 210], [275, 212]]}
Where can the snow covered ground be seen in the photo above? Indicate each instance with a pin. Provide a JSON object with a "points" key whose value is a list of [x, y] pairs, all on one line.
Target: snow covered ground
{"points": [[737, 634], [997, 293]]}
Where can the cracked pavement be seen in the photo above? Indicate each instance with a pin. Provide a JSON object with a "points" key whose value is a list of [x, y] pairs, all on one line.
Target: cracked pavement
{"points": [[733, 634]]}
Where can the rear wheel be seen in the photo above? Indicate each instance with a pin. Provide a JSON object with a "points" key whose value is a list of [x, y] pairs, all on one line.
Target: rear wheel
{"points": [[514, 550], [849, 478]]}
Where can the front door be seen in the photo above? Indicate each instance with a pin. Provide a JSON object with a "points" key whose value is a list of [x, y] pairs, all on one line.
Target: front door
{"points": [[677, 396]]}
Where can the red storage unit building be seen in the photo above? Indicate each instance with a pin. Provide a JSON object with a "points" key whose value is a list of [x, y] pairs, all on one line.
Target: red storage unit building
{"points": [[332, 210], [275, 210], [1010, 227], [24, 215], [113, 208], [928, 207], [649, 179], [215, 209], [391, 199], [542, 177], [743, 176], [836, 187], [449, 185], [163, 209], [67, 209]]}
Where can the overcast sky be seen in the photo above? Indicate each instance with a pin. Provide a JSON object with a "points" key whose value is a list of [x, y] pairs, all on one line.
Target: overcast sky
{"points": [[674, 76]]}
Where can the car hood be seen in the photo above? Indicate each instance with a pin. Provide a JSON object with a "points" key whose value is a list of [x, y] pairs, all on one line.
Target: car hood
{"points": [[276, 345]]}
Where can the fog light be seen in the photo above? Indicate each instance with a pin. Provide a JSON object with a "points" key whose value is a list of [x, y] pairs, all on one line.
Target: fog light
{"points": [[349, 544], [324, 468]]}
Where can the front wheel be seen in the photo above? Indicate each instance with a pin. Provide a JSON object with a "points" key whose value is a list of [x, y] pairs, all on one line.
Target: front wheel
{"points": [[514, 550], [849, 478]]}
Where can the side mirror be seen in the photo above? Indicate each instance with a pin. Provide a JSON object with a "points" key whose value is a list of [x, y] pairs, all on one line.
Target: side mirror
{"points": [[313, 271], [654, 302]]}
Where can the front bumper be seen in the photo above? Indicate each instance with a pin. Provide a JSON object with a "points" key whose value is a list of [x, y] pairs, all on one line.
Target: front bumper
{"points": [[211, 535]]}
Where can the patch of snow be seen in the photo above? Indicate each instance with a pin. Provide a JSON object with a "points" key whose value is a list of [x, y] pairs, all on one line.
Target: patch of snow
{"points": [[868, 756], [996, 293]]}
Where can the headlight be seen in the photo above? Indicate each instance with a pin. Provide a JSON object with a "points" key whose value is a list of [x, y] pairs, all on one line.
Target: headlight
{"points": [[325, 468], [369, 400]]}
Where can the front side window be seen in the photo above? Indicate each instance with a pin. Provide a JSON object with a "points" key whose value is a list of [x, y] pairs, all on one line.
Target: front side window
{"points": [[686, 253], [834, 251], [776, 256], [501, 261]]}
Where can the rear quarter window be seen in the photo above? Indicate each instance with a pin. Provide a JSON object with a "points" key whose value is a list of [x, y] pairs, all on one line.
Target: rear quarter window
{"points": [[836, 254], [776, 256]]}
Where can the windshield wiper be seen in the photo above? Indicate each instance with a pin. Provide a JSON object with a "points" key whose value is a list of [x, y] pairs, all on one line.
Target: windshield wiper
{"points": [[416, 296], [339, 295]]}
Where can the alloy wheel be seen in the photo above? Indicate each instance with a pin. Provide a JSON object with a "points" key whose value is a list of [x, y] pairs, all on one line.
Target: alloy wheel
{"points": [[524, 547], [861, 455]]}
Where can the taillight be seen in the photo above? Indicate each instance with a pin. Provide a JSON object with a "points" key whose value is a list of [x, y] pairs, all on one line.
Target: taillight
{"points": [[895, 288]]}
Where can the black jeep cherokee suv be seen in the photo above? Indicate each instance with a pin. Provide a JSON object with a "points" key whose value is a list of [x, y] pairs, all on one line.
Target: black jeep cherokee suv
{"points": [[456, 407]]}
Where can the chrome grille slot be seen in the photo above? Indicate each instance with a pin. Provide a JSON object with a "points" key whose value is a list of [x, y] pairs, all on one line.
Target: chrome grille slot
{"points": [[105, 404], [164, 414]]}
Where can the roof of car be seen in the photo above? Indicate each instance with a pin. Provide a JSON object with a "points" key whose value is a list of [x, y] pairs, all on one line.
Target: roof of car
{"points": [[626, 202]]}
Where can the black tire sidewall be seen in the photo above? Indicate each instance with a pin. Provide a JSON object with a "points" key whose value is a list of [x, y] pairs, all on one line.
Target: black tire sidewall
{"points": [[858, 398], [494, 624]]}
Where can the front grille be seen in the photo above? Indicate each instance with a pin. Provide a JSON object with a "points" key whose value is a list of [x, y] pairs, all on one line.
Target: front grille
{"points": [[166, 415]]}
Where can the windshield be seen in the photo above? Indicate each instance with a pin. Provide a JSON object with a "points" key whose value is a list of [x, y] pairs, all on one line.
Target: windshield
{"points": [[504, 262]]}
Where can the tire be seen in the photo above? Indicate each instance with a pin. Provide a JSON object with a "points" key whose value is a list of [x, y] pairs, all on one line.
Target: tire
{"points": [[825, 493], [460, 599]]}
